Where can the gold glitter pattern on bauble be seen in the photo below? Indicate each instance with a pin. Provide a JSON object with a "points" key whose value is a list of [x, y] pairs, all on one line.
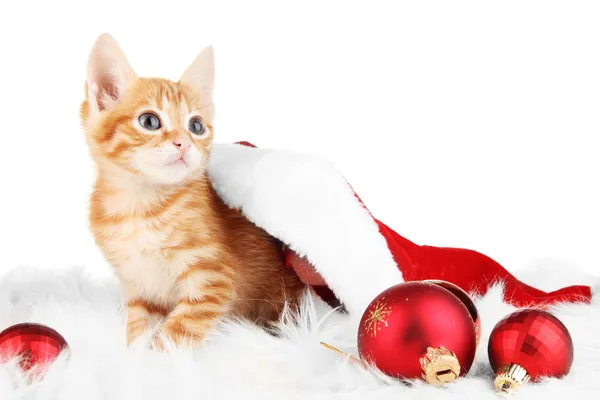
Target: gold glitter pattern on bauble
{"points": [[377, 317]]}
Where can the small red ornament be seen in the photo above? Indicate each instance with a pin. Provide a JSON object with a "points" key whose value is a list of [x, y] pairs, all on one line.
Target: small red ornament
{"points": [[528, 345], [303, 268], [36, 345], [418, 330], [466, 300]]}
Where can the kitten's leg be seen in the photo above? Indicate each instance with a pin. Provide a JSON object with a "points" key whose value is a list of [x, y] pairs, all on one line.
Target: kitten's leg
{"points": [[138, 319], [205, 293], [141, 315]]}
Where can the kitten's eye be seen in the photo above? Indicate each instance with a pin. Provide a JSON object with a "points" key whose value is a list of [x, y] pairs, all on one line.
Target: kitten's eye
{"points": [[196, 126], [149, 121]]}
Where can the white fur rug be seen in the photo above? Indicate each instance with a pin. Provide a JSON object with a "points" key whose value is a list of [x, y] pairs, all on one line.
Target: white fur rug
{"points": [[240, 361]]}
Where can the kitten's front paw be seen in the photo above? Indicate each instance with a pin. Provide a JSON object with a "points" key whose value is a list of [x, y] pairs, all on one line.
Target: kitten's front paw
{"points": [[157, 344], [171, 337], [133, 335], [159, 341]]}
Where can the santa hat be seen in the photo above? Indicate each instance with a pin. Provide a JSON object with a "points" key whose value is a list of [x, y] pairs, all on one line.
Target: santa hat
{"points": [[308, 205]]}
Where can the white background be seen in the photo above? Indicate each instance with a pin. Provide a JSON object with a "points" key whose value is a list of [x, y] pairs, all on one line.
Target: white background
{"points": [[471, 124]]}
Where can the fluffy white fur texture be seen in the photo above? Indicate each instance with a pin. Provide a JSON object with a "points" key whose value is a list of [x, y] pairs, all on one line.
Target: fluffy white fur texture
{"points": [[240, 361], [303, 201]]}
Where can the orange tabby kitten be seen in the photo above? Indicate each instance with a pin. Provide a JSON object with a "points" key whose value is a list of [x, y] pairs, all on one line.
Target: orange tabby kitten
{"points": [[183, 257]]}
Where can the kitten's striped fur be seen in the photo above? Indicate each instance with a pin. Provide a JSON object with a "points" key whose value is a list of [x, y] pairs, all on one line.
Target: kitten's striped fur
{"points": [[183, 257]]}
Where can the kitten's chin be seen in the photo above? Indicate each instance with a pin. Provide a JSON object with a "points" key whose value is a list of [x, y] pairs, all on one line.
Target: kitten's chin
{"points": [[172, 174]]}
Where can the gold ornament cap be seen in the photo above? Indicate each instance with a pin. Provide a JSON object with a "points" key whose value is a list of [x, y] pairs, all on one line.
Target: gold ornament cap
{"points": [[439, 366], [510, 377]]}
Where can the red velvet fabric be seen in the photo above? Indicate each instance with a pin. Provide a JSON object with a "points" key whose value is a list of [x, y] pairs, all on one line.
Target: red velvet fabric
{"points": [[472, 271]]}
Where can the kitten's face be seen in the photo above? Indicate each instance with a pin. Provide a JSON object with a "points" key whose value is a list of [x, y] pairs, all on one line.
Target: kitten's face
{"points": [[154, 129], [159, 130]]}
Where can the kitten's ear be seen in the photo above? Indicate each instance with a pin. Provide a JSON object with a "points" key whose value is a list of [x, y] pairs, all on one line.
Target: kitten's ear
{"points": [[108, 73], [200, 76]]}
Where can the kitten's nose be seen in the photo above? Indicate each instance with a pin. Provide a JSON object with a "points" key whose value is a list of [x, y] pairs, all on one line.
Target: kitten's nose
{"points": [[183, 147]]}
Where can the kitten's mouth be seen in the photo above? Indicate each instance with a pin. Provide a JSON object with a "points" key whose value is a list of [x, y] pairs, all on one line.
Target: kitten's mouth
{"points": [[178, 162]]}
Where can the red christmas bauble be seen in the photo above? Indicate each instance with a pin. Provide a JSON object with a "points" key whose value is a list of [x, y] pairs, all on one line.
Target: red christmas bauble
{"points": [[418, 330], [466, 300], [527, 345], [36, 345]]}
